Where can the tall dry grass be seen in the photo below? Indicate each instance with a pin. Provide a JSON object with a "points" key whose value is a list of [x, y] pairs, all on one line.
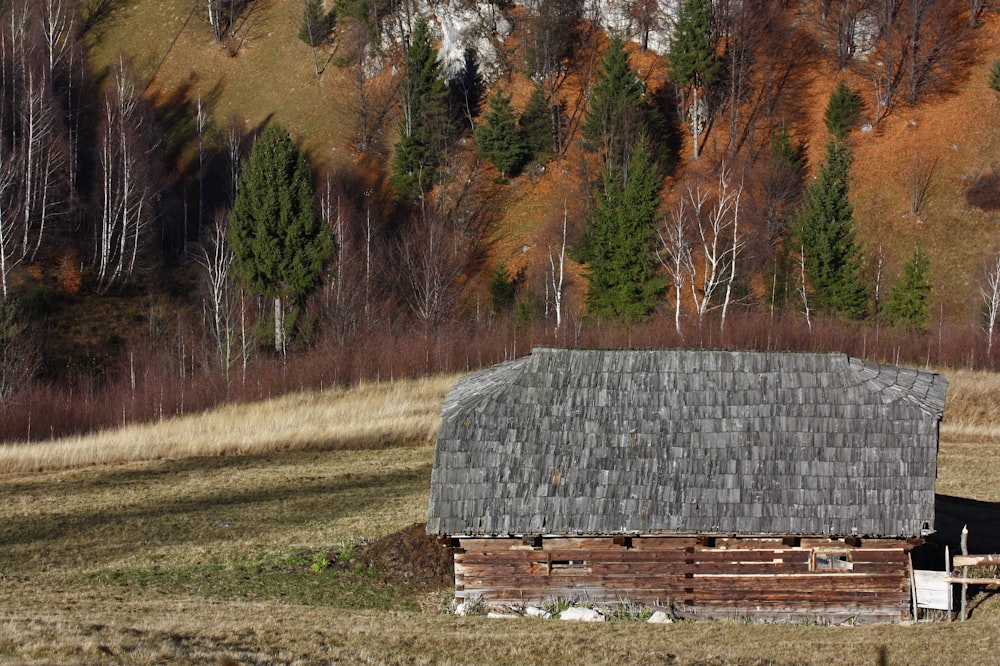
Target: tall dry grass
{"points": [[370, 415]]}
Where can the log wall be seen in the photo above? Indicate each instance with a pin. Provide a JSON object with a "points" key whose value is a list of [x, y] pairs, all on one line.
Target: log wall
{"points": [[814, 579]]}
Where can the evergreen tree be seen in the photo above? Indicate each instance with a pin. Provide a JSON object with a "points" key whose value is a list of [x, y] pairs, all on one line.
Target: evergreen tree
{"points": [[994, 77], [693, 58], [621, 265], [825, 235], [843, 111], [279, 243], [499, 139], [619, 111], [316, 23], [503, 288], [908, 306], [423, 128], [536, 126]]}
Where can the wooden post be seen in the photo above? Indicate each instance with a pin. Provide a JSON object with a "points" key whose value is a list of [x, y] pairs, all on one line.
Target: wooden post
{"points": [[965, 570], [913, 584], [951, 590]]}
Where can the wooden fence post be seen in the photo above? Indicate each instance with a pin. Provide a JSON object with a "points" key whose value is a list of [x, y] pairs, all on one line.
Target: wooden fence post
{"points": [[965, 570]]}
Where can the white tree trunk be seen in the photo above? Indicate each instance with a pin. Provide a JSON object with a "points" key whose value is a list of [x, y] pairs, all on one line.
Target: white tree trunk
{"points": [[558, 274], [279, 326], [991, 298], [736, 245], [676, 246]]}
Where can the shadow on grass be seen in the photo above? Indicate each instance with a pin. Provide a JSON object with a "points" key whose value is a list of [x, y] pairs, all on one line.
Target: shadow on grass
{"points": [[233, 511]]}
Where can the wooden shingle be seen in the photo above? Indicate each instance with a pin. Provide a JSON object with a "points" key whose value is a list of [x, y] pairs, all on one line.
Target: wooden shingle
{"points": [[653, 441]]}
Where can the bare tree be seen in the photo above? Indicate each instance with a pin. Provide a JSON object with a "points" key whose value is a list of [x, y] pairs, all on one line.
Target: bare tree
{"points": [[938, 38], [373, 94], [919, 180], [36, 173], [126, 192], [215, 257], [674, 254], [647, 16], [840, 21], [222, 16], [557, 271], [990, 292], [714, 217], [803, 291], [432, 257], [765, 54], [9, 232], [885, 68], [444, 239], [58, 21], [234, 154], [919, 44]]}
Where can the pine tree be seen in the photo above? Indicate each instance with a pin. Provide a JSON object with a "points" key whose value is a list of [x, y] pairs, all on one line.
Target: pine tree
{"points": [[908, 306], [423, 128], [621, 265], [843, 111], [694, 62], [613, 117], [279, 243], [499, 139], [536, 126], [825, 235], [316, 23], [619, 111], [994, 77], [503, 289]]}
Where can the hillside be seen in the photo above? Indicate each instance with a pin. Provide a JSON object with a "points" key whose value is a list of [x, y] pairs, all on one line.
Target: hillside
{"points": [[948, 140]]}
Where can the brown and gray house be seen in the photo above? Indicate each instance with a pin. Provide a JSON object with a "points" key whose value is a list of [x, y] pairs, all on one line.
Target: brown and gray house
{"points": [[713, 483]]}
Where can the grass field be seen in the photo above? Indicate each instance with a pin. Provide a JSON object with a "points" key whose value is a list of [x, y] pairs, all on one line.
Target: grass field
{"points": [[215, 539]]}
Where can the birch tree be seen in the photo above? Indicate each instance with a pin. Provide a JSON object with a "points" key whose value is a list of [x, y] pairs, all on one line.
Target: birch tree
{"points": [[990, 292], [675, 255], [717, 242], [123, 228], [215, 257], [557, 271]]}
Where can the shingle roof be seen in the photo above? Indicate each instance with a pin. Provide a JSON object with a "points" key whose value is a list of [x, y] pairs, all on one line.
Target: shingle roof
{"points": [[625, 441]]}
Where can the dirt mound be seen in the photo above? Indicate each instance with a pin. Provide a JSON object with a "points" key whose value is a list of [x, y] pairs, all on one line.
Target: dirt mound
{"points": [[410, 556]]}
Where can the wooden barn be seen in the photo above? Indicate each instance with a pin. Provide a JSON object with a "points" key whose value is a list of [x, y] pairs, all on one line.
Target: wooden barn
{"points": [[714, 483]]}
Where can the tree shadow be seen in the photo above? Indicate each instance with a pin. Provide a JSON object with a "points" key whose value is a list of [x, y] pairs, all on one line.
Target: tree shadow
{"points": [[983, 191], [210, 515]]}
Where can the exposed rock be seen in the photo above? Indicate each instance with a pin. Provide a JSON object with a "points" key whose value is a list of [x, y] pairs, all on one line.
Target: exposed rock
{"points": [[581, 615], [534, 611], [659, 617]]}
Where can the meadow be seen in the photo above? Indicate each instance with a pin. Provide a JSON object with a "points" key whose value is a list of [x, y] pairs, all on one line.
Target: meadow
{"points": [[234, 536]]}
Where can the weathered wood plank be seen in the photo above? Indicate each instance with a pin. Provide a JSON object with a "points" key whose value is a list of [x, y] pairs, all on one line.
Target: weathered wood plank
{"points": [[975, 560]]}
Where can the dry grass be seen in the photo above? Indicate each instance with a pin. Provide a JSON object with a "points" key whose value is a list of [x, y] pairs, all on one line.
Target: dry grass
{"points": [[369, 416], [969, 458], [184, 559]]}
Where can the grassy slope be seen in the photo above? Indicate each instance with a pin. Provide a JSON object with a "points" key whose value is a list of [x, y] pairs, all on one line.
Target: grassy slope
{"points": [[271, 77], [195, 558]]}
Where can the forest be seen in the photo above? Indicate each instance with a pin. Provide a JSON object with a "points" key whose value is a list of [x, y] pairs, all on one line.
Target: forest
{"points": [[431, 187]]}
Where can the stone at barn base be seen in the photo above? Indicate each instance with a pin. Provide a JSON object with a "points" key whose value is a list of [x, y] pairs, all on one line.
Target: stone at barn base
{"points": [[581, 615]]}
